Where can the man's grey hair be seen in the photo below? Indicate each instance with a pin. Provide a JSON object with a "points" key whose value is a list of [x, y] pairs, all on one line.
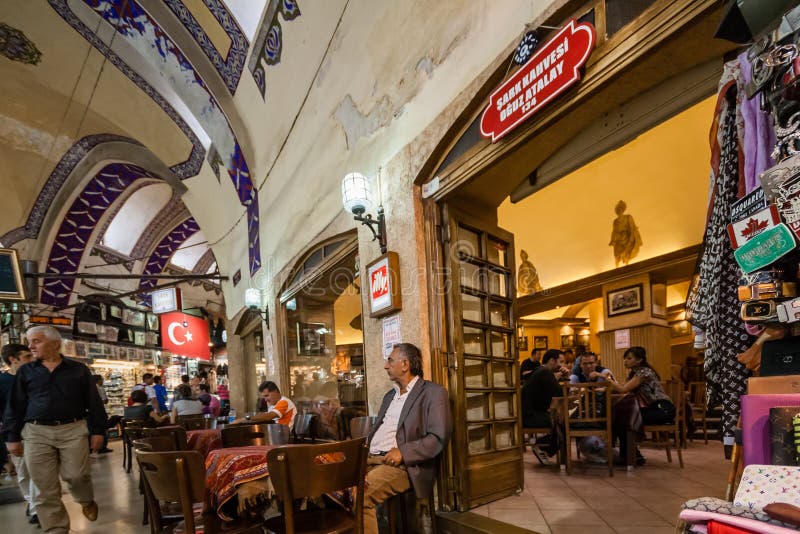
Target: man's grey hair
{"points": [[47, 331]]}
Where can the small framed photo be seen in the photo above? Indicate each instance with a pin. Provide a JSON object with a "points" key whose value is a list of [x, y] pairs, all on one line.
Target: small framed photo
{"points": [[568, 341], [625, 300], [11, 285], [680, 328], [522, 343], [540, 342]]}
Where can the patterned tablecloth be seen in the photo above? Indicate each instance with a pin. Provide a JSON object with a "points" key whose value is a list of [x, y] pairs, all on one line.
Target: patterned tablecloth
{"points": [[204, 441], [243, 472]]}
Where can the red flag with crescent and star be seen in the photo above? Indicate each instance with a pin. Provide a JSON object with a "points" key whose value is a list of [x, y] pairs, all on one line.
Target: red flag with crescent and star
{"points": [[185, 335]]}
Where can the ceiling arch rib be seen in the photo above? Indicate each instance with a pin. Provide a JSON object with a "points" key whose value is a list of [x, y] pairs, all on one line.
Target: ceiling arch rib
{"points": [[190, 252], [134, 215], [160, 256], [160, 59], [78, 224], [206, 262], [170, 216]]}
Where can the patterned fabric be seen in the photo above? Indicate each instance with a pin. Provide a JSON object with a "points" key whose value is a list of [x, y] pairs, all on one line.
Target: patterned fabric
{"points": [[650, 389], [712, 304], [718, 506], [204, 441], [766, 484], [782, 435]]}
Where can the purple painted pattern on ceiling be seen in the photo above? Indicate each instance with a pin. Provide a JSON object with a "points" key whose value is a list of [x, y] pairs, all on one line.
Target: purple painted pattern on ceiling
{"points": [[158, 260], [72, 238], [253, 244]]}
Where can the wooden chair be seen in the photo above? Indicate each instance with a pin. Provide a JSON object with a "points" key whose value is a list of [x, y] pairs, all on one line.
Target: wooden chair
{"points": [[305, 427], [260, 434], [154, 444], [295, 474], [360, 426], [130, 433], [179, 476], [674, 390], [697, 400], [586, 409], [193, 422], [175, 433]]}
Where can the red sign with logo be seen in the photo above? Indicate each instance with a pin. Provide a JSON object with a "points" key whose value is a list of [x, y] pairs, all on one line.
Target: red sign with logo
{"points": [[384, 285], [553, 69], [185, 335]]}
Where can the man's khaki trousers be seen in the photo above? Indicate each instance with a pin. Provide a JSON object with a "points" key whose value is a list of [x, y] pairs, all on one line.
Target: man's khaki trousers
{"points": [[383, 481], [51, 451]]}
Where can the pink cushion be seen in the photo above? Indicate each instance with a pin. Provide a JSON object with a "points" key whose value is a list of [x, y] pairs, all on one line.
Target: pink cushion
{"points": [[755, 424]]}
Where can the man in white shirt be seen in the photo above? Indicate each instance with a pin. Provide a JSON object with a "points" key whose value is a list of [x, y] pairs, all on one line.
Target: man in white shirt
{"points": [[411, 430], [147, 386]]}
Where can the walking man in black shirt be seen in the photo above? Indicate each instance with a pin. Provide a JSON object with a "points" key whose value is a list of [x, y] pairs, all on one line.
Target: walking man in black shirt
{"points": [[52, 401]]}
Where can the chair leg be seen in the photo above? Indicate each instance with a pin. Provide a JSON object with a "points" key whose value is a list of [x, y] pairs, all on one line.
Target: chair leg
{"points": [[610, 454], [666, 446], [680, 454], [705, 429]]}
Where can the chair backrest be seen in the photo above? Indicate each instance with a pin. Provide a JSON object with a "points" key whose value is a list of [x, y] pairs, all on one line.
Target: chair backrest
{"points": [[278, 434], [177, 476], [697, 394], [305, 426], [587, 402], [155, 444], [131, 433], [674, 389], [361, 426], [176, 433], [193, 422], [309, 470], [245, 435]]}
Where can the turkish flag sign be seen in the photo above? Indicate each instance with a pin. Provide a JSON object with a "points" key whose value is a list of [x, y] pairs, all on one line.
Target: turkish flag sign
{"points": [[185, 335], [553, 69]]}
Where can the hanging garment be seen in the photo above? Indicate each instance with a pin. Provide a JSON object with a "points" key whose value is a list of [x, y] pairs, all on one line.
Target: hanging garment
{"points": [[712, 304], [758, 138]]}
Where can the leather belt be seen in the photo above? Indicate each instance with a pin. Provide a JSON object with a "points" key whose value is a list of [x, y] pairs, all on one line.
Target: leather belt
{"points": [[54, 422]]}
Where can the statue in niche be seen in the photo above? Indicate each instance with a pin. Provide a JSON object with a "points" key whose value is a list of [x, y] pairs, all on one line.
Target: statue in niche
{"points": [[625, 236], [527, 277]]}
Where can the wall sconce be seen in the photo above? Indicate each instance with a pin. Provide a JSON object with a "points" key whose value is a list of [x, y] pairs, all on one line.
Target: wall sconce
{"points": [[252, 299], [357, 199]]}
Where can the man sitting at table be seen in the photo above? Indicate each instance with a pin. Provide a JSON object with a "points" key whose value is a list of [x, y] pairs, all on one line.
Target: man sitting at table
{"points": [[589, 370], [273, 405], [411, 430]]}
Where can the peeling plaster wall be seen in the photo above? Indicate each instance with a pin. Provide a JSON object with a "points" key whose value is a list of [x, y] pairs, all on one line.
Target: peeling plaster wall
{"points": [[394, 80]]}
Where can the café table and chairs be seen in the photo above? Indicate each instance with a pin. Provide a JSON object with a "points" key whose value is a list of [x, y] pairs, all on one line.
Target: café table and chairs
{"points": [[193, 422], [587, 412], [255, 435]]}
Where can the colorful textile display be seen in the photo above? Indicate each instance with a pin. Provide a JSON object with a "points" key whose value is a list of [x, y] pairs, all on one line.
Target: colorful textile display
{"points": [[204, 441]]}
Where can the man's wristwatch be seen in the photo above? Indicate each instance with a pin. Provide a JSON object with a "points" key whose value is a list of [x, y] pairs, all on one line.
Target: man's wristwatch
{"points": [[247, 417]]}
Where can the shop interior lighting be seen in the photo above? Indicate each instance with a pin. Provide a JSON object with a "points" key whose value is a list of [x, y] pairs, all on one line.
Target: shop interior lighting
{"points": [[357, 199], [252, 299]]}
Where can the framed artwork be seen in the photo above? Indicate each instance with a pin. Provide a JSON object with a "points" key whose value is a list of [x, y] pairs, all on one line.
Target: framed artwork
{"points": [[680, 328], [568, 341], [583, 340], [522, 343], [540, 342], [625, 300], [11, 285]]}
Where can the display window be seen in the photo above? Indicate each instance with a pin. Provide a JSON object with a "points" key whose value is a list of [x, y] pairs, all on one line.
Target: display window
{"points": [[323, 339]]}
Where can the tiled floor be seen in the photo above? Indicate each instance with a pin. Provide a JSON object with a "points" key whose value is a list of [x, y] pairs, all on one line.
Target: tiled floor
{"points": [[646, 500]]}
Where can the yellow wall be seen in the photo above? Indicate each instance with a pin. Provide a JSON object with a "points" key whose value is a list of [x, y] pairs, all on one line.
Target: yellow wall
{"points": [[662, 176], [346, 307]]}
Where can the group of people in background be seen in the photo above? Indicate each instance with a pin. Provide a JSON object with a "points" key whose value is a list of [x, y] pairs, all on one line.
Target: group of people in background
{"points": [[542, 389]]}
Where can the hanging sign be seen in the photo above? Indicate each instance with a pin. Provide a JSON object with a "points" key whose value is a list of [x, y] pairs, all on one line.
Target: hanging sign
{"points": [[383, 276], [391, 334], [765, 248], [553, 69], [743, 231], [50, 319], [166, 300], [622, 339]]}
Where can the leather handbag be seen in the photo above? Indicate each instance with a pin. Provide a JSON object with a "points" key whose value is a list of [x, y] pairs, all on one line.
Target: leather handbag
{"points": [[760, 385], [781, 357], [781, 435]]}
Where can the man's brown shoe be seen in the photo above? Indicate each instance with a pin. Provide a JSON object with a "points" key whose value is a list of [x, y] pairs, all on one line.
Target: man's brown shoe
{"points": [[90, 511]]}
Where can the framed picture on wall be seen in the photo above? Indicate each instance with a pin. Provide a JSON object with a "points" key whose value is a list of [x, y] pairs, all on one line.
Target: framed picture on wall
{"points": [[625, 300], [540, 342], [522, 343], [568, 341]]}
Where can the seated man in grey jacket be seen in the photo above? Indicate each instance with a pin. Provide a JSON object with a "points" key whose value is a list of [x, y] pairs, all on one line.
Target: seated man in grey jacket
{"points": [[411, 430]]}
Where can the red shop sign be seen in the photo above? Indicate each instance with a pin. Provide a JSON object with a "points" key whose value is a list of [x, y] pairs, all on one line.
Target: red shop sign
{"points": [[553, 69]]}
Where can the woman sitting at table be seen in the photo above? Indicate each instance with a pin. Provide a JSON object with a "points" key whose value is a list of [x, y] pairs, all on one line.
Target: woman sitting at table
{"points": [[645, 385], [185, 405], [141, 410]]}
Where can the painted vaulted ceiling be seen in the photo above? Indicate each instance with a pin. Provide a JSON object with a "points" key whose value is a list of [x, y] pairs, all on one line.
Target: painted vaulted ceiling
{"points": [[150, 136]]}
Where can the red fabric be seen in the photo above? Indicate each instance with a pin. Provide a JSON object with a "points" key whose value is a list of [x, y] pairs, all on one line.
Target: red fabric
{"points": [[190, 340], [715, 527], [204, 441]]}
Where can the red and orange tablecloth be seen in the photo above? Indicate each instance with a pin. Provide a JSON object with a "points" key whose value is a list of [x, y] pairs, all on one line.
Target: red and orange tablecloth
{"points": [[204, 441]]}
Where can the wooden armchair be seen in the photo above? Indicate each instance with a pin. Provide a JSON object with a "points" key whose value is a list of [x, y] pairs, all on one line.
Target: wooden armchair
{"points": [[179, 477], [586, 410], [130, 433], [155, 444], [175, 433], [674, 390], [193, 422], [257, 434], [296, 474]]}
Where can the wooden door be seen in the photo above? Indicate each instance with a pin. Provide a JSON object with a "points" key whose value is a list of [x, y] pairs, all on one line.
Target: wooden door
{"points": [[483, 367]]}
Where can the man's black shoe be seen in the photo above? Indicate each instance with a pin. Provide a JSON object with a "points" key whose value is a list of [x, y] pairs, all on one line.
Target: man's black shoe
{"points": [[27, 510], [34, 519], [105, 451]]}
